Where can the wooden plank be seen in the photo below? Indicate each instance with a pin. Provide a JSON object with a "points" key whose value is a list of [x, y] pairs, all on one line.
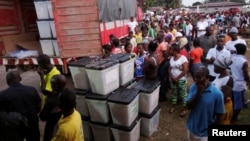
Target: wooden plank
{"points": [[80, 31], [8, 28], [79, 44], [78, 18], [77, 10], [87, 51], [86, 37], [62, 4], [78, 25]]}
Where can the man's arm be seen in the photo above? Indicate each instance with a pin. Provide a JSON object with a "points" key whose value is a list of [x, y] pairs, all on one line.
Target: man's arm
{"points": [[219, 118], [245, 73]]}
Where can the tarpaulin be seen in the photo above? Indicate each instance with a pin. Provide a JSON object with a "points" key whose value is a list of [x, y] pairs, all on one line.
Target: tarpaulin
{"points": [[110, 10]]}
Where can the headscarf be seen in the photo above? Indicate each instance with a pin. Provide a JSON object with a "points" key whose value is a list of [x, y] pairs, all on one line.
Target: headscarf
{"points": [[223, 62]]}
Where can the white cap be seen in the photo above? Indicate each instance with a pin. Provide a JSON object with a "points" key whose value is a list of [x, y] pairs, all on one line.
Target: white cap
{"points": [[233, 30], [178, 34]]}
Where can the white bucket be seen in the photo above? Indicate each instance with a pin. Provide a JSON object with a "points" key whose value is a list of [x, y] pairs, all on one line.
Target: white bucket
{"points": [[150, 123], [98, 108], [88, 134], [127, 134], [149, 101], [126, 71], [81, 105], [104, 81], [42, 11], [123, 105], [101, 132]]}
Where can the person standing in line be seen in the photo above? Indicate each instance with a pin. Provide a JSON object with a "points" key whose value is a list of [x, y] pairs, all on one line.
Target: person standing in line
{"points": [[195, 56], [202, 24], [139, 62], [189, 35], [177, 72], [70, 123], [51, 112], [24, 100], [151, 62], [214, 53], [239, 70], [206, 105], [152, 31], [162, 54], [230, 45], [207, 41], [224, 82], [46, 71]]}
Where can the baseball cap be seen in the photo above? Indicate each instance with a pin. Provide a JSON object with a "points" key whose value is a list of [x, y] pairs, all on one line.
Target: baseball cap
{"points": [[233, 30]]}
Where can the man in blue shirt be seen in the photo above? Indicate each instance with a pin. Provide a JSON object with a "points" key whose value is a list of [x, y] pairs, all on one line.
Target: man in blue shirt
{"points": [[206, 105]]}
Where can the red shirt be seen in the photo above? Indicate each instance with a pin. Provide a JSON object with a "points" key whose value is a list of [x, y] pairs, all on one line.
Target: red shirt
{"points": [[184, 52]]}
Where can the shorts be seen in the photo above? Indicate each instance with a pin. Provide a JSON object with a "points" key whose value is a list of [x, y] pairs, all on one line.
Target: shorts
{"points": [[238, 99]]}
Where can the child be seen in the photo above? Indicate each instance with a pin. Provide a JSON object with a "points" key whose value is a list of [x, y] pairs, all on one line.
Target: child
{"points": [[107, 49], [139, 62]]}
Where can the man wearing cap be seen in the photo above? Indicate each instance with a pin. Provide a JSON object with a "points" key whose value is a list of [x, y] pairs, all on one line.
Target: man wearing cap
{"points": [[230, 45]]}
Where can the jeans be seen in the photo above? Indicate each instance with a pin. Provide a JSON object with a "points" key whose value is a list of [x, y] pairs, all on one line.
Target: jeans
{"points": [[164, 79]]}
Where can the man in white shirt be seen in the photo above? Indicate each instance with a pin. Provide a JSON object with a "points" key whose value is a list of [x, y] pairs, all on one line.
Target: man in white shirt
{"points": [[230, 45], [201, 26], [214, 53], [132, 24]]}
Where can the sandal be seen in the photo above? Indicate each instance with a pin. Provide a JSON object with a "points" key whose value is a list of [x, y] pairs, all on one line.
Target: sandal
{"points": [[172, 110], [184, 112]]}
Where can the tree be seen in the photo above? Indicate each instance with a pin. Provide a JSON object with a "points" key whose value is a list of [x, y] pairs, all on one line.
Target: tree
{"points": [[173, 4], [196, 3], [147, 4]]}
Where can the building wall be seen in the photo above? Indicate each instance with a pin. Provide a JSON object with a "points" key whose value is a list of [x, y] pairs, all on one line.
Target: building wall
{"points": [[213, 9]]}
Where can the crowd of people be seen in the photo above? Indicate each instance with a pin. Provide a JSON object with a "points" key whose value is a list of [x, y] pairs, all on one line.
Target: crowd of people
{"points": [[168, 48], [209, 47]]}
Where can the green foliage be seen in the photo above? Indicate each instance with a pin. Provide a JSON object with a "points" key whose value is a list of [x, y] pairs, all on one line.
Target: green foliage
{"points": [[148, 3], [197, 3], [173, 4]]}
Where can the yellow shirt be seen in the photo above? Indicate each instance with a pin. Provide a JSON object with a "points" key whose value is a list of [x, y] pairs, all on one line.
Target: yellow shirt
{"points": [[48, 77], [70, 128], [138, 37]]}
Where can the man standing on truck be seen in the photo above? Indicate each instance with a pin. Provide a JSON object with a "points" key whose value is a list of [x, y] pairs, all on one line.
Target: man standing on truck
{"points": [[46, 71], [132, 24]]}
